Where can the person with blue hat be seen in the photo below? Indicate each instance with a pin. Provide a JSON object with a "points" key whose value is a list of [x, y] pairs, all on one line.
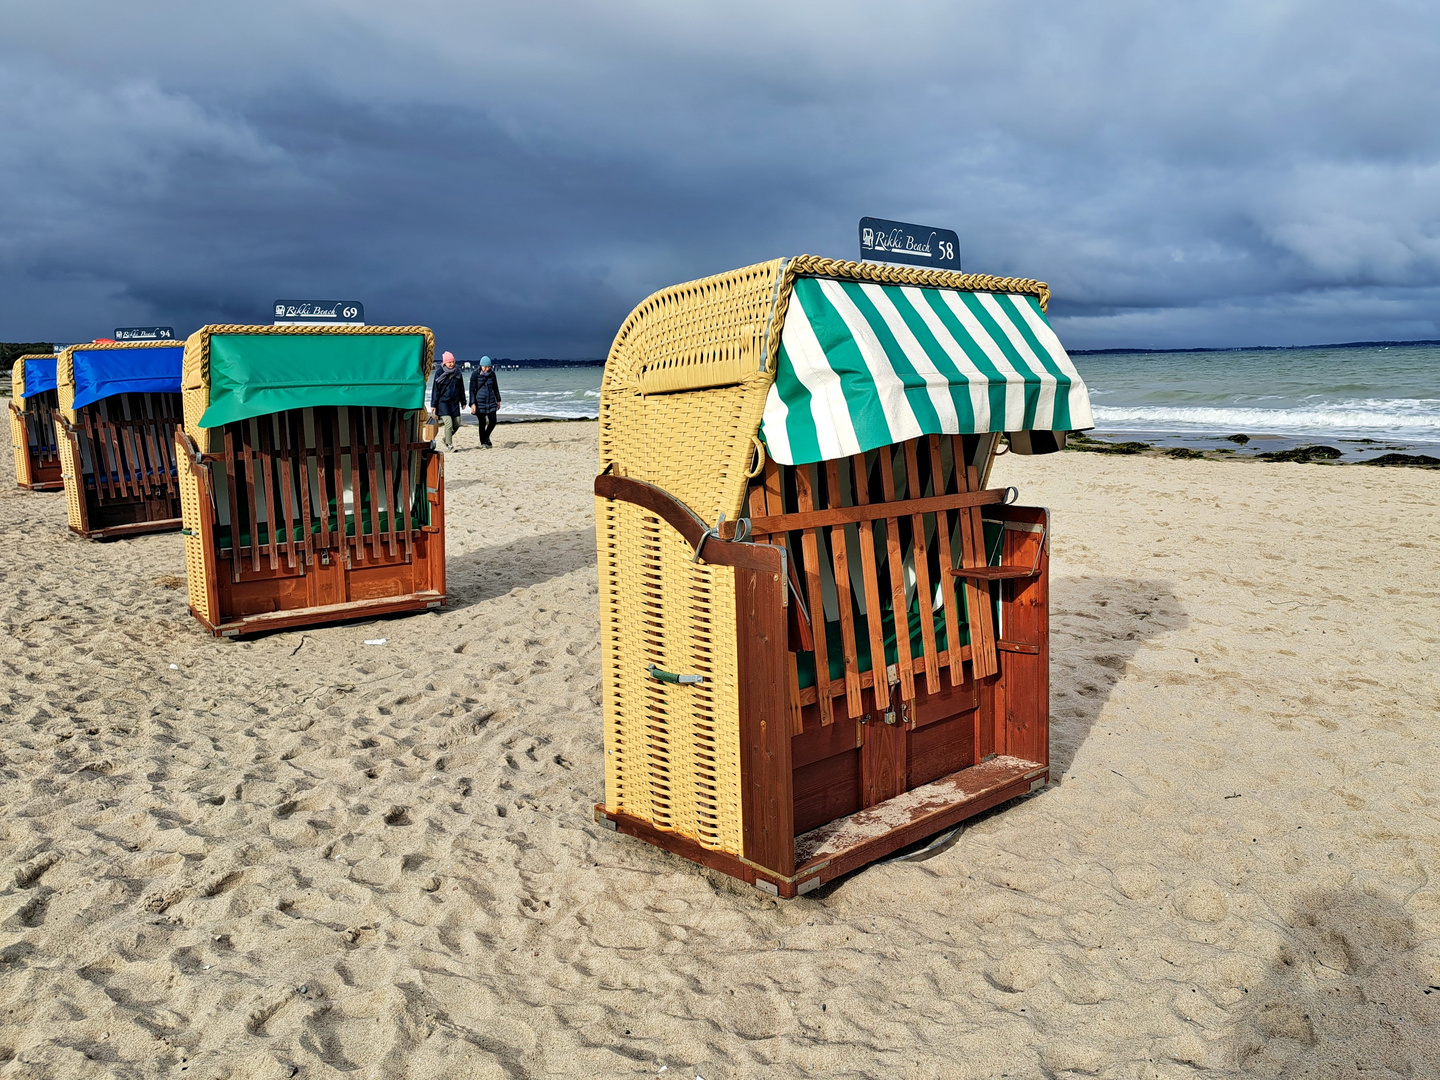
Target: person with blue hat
{"points": [[485, 399]]}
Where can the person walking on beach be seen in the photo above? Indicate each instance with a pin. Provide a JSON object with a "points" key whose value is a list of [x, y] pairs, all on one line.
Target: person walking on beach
{"points": [[485, 399], [447, 398]]}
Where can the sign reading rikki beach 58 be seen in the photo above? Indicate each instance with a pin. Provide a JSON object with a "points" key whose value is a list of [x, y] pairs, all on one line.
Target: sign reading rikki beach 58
{"points": [[882, 240]]}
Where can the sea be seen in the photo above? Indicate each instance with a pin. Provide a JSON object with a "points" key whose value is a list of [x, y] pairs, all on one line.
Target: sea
{"points": [[1360, 399]]}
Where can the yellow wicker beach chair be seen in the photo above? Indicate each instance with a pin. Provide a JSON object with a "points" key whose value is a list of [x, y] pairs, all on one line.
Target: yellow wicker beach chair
{"points": [[119, 405], [33, 407], [824, 638], [309, 494]]}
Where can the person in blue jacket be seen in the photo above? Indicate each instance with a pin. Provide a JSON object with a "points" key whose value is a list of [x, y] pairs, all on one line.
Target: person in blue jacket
{"points": [[485, 399]]}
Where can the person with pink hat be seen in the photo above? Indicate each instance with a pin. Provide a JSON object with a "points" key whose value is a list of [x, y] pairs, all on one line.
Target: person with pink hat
{"points": [[447, 398]]}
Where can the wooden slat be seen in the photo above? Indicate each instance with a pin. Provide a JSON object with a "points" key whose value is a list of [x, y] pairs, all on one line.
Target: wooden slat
{"points": [[86, 431], [384, 419], [325, 434], [982, 626], [265, 427], [232, 483], [904, 664], [117, 473], [407, 492], [871, 577], [844, 597], [372, 454], [356, 540], [849, 515], [249, 451], [925, 594], [302, 461], [805, 500], [285, 478], [947, 581]]}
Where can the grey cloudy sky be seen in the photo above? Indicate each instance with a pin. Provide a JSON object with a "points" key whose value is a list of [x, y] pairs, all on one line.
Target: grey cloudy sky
{"points": [[519, 176]]}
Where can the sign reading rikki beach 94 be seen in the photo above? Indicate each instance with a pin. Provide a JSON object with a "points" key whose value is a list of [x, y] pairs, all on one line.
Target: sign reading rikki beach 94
{"points": [[319, 312], [144, 333], [882, 240]]}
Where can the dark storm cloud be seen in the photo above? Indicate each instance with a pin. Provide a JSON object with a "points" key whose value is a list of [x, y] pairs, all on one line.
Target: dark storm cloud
{"points": [[519, 176]]}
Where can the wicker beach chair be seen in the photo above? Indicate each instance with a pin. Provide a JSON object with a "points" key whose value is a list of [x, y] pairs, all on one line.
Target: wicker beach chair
{"points": [[119, 406], [33, 406], [824, 637], [309, 494]]}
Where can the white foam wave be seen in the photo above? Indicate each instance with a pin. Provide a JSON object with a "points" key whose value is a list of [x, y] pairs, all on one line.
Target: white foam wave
{"points": [[1416, 417]]}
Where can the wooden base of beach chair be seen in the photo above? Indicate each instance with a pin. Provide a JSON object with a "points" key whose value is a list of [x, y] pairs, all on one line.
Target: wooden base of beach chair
{"points": [[307, 562], [37, 458], [842, 773], [848, 843]]}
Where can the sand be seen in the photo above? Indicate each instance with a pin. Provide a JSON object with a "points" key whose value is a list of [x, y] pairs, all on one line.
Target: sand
{"points": [[304, 855]]}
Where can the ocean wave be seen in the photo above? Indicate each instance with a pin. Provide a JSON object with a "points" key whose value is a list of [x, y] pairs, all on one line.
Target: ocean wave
{"points": [[1419, 417]]}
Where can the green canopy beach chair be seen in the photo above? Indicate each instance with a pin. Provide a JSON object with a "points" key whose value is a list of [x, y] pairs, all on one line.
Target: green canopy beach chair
{"points": [[309, 494]]}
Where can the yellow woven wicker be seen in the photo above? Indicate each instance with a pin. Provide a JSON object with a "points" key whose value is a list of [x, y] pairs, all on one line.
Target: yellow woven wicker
{"points": [[71, 475], [195, 376], [681, 402], [19, 437]]}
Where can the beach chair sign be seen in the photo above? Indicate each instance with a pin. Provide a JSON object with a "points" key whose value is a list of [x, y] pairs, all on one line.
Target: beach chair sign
{"points": [[33, 411], [824, 637], [119, 406], [309, 493]]}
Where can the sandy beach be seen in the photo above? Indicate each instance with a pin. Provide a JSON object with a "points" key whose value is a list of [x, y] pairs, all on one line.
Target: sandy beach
{"points": [[305, 855]]}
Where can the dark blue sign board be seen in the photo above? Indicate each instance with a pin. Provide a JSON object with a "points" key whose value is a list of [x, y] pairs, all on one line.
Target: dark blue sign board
{"points": [[882, 240], [319, 312], [144, 333]]}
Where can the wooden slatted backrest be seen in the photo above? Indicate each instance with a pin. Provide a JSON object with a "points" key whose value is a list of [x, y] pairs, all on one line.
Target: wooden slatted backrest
{"points": [[290, 485], [863, 570], [127, 446], [40, 412]]}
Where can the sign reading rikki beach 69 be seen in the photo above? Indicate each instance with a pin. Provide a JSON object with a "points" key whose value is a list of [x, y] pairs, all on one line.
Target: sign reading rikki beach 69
{"points": [[309, 312], [882, 240]]}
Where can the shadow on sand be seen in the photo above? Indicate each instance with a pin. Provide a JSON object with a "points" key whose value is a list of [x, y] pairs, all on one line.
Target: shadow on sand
{"points": [[1346, 995], [477, 576], [1097, 625]]}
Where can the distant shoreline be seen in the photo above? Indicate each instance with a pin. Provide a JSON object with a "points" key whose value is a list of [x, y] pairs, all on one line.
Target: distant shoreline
{"points": [[1254, 348]]}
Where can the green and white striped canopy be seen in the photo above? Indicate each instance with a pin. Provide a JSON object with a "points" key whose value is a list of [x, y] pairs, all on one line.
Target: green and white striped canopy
{"points": [[864, 365]]}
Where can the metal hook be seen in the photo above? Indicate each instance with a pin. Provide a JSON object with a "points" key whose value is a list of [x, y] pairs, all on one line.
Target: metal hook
{"points": [[706, 535]]}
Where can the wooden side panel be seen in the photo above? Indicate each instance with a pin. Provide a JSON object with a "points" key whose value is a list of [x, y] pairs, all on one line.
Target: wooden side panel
{"points": [[883, 762], [767, 794], [828, 788], [1025, 676]]}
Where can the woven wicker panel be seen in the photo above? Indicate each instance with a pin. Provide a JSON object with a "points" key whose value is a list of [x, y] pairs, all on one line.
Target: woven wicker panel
{"points": [[672, 751], [195, 374], [190, 511], [70, 472], [21, 438]]}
